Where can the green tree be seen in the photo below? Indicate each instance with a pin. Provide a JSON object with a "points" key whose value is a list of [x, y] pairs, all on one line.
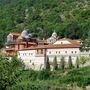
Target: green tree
{"points": [[70, 65], [44, 16], [10, 71], [62, 63], [83, 60], [55, 65]]}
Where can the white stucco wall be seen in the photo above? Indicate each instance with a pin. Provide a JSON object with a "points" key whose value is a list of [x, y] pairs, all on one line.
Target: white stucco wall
{"points": [[63, 51], [36, 62], [29, 57], [26, 54], [66, 52]]}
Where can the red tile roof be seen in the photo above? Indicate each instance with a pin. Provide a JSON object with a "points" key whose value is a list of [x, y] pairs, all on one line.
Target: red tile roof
{"points": [[52, 46], [75, 41]]}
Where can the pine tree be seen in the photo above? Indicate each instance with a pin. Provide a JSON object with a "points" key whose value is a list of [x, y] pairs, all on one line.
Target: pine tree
{"points": [[62, 63], [55, 65], [70, 62]]}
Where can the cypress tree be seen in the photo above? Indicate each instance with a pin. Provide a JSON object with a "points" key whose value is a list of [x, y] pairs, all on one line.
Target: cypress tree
{"points": [[70, 65], [55, 65], [62, 63]]}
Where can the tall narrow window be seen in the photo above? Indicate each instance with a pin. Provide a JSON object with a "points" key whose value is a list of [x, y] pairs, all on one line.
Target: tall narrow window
{"points": [[61, 42], [50, 52]]}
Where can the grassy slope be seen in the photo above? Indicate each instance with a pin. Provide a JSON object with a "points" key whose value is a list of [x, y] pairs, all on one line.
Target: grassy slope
{"points": [[55, 80]]}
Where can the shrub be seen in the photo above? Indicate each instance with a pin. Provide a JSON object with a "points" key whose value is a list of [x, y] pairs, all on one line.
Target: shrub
{"points": [[83, 60], [29, 75], [44, 74], [10, 70]]}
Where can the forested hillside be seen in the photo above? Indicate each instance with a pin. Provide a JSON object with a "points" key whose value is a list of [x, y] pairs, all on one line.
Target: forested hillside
{"points": [[69, 18]]}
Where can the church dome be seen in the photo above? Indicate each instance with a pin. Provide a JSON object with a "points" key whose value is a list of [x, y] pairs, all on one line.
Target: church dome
{"points": [[54, 34], [30, 35], [10, 35], [24, 33], [10, 38]]}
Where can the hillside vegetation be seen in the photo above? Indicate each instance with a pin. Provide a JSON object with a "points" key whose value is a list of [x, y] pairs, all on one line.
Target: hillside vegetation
{"points": [[69, 18], [14, 76]]}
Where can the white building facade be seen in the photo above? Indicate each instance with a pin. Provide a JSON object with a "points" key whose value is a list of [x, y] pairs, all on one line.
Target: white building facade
{"points": [[35, 56], [31, 59]]}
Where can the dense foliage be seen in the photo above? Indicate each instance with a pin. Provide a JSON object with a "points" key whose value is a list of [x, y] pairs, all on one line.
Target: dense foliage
{"points": [[69, 18], [13, 76], [10, 70], [47, 80]]}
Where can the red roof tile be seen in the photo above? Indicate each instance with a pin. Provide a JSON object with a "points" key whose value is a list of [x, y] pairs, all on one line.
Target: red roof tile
{"points": [[52, 46]]}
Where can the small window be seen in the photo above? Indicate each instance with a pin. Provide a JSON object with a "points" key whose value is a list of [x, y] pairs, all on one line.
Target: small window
{"points": [[33, 63], [72, 51], [65, 51], [49, 52], [61, 42], [75, 51], [59, 52], [56, 52]]}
